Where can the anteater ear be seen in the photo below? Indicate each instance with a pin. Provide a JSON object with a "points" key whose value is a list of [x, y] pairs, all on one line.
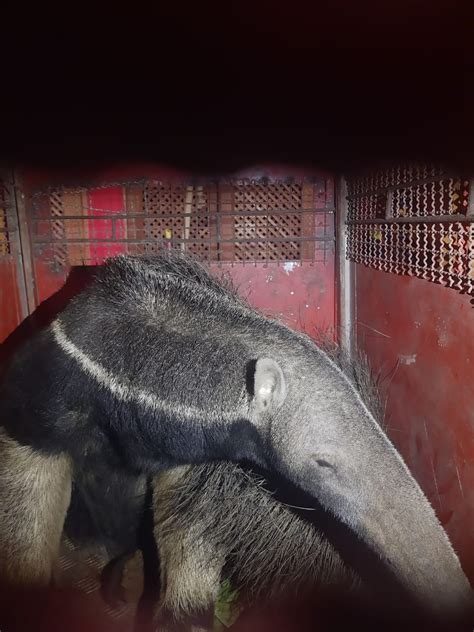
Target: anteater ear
{"points": [[269, 386]]}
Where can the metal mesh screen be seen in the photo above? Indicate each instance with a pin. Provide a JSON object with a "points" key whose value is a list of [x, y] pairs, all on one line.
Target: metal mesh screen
{"points": [[5, 194], [237, 221], [416, 221], [443, 253], [263, 235], [179, 212]]}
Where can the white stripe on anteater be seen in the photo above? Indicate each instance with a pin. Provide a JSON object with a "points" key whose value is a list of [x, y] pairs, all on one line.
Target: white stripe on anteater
{"points": [[129, 392]]}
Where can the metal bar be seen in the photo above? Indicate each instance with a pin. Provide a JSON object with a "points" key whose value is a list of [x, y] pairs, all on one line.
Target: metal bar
{"points": [[84, 188], [209, 240], [8, 217], [388, 206], [178, 241], [113, 215], [470, 208], [188, 204], [218, 232], [418, 219], [267, 223], [7, 206], [94, 186], [25, 260]]}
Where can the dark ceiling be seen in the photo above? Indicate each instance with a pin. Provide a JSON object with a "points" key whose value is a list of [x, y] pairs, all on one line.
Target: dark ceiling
{"points": [[215, 86]]}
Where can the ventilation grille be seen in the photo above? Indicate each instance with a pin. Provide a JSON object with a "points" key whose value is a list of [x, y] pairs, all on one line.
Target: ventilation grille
{"points": [[234, 221], [444, 197], [263, 235], [415, 221], [4, 205], [179, 213]]}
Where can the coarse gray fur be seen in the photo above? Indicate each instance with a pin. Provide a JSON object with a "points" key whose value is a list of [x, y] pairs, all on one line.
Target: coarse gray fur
{"points": [[218, 521], [158, 364]]}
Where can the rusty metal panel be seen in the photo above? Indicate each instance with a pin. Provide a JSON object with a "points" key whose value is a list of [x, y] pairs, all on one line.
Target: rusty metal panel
{"points": [[420, 336], [10, 308], [299, 294], [12, 297], [265, 217]]}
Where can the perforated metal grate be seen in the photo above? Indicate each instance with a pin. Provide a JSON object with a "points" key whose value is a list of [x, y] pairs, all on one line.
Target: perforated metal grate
{"points": [[392, 176], [264, 236], [179, 212], [407, 192], [420, 227], [442, 197], [57, 227], [230, 221], [4, 203]]}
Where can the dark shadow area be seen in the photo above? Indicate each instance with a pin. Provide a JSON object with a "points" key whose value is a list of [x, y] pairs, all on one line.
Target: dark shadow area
{"points": [[215, 86], [334, 614], [78, 278], [53, 611]]}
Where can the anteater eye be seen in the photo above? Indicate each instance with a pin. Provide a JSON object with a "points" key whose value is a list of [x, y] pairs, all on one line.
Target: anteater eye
{"points": [[324, 463]]}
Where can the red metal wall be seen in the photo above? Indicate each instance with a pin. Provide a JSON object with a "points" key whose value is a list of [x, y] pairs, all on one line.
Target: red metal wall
{"points": [[301, 294], [421, 336], [11, 311], [10, 308]]}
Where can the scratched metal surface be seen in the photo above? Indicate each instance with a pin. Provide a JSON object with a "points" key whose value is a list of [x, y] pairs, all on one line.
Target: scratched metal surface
{"points": [[421, 336], [80, 570], [299, 294]]}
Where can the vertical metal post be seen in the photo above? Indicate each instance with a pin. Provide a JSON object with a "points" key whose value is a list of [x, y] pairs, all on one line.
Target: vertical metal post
{"points": [[470, 208], [24, 261], [346, 272]]}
